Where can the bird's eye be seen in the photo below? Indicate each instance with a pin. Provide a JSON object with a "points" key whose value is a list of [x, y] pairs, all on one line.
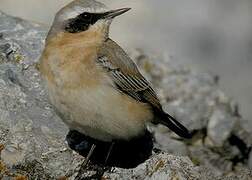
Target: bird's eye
{"points": [[86, 16]]}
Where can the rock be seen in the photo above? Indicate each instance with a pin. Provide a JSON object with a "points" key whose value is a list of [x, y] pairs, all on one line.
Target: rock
{"points": [[165, 143], [220, 126], [250, 160], [209, 159], [161, 166], [34, 136], [32, 133], [195, 99]]}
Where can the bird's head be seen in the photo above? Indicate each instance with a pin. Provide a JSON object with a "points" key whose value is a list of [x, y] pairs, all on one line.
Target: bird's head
{"points": [[83, 16]]}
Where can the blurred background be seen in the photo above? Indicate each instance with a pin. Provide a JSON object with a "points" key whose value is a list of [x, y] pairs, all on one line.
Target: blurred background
{"points": [[207, 35]]}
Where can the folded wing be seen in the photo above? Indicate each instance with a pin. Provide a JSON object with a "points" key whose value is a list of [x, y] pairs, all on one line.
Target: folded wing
{"points": [[127, 78]]}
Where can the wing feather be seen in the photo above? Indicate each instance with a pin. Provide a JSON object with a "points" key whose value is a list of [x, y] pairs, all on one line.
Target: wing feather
{"points": [[125, 74]]}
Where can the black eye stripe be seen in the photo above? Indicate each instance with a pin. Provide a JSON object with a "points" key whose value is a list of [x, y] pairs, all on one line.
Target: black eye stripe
{"points": [[82, 22]]}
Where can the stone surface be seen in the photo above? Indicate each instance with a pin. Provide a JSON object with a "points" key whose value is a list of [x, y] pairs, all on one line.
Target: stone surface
{"points": [[250, 160], [220, 126], [32, 136], [165, 143], [161, 166]]}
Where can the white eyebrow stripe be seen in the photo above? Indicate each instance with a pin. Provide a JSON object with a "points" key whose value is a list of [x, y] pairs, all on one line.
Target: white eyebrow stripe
{"points": [[70, 13]]}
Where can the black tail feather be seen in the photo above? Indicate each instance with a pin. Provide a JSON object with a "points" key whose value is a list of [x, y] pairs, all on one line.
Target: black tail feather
{"points": [[174, 125]]}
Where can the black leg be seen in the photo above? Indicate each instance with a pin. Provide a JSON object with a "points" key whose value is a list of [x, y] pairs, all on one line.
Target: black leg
{"points": [[109, 152], [85, 163], [89, 155]]}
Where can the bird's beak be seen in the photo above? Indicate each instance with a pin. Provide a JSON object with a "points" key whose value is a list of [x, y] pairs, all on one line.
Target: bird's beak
{"points": [[112, 14]]}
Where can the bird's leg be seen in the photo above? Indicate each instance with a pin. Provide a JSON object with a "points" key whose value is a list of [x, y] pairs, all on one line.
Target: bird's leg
{"points": [[109, 152], [84, 164], [103, 169], [89, 155]]}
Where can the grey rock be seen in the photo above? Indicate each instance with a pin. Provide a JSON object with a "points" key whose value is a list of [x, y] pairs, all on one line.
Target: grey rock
{"points": [[250, 160], [33, 135], [162, 166], [220, 126], [211, 160], [195, 99], [166, 143]]}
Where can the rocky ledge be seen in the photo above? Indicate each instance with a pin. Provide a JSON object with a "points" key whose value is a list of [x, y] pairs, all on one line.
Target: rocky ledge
{"points": [[32, 136]]}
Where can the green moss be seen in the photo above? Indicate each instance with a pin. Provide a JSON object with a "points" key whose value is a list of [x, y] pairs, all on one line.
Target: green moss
{"points": [[195, 161], [18, 58]]}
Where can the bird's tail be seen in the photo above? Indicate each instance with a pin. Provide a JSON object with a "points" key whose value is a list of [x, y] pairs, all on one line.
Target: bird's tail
{"points": [[174, 125]]}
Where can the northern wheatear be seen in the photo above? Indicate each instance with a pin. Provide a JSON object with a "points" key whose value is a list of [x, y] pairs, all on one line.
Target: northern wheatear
{"points": [[94, 86]]}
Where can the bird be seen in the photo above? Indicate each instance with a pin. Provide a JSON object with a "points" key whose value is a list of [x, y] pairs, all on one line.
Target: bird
{"points": [[93, 85]]}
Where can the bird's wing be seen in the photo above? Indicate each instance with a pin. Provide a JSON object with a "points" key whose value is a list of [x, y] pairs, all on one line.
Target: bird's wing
{"points": [[123, 71], [125, 74]]}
